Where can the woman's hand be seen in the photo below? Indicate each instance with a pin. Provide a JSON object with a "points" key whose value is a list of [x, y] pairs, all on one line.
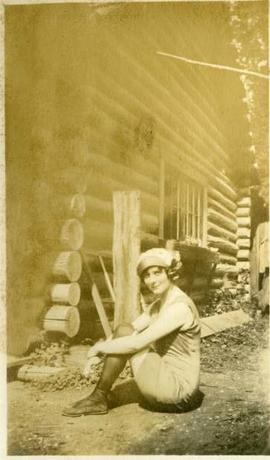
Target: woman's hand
{"points": [[94, 351]]}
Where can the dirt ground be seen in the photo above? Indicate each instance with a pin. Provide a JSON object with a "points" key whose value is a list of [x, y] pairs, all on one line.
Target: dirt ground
{"points": [[232, 419]]}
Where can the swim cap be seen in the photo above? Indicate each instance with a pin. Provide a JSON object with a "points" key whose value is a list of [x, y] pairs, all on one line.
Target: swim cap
{"points": [[156, 257]]}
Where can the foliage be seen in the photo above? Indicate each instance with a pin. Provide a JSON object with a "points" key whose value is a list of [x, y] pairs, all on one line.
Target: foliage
{"points": [[249, 24]]}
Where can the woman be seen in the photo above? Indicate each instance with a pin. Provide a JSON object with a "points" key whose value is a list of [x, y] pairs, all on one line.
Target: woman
{"points": [[162, 344]]}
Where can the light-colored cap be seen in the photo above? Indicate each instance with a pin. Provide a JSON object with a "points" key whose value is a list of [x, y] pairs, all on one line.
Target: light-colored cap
{"points": [[156, 257]]}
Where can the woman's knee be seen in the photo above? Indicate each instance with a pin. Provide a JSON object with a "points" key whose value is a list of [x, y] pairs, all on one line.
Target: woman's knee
{"points": [[123, 330]]}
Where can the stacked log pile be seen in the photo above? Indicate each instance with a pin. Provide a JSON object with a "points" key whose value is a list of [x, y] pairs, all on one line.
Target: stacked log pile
{"points": [[222, 230], [64, 291], [243, 240]]}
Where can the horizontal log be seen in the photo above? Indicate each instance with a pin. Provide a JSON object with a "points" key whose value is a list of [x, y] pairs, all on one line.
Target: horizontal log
{"points": [[98, 237], [102, 186], [243, 243], [227, 259], [68, 294], [149, 223], [243, 212], [72, 234], [30, 373], [224, 246], [243, 265], [68, 205], [124, 174], [216, 230], [70, 180], [224, 222], [60, 318], [243, 232], [213, 204], [244, 222], [198, 297], [183, 283], [243, 192], [225, 188], [243, 254], [192, 253], [92, 257], [98, 209], [100, 281], [102, 211], [159, 92], [216, 283], [160, 97], [68, 266], [156, 90], [244, 202], [195, 89], [149, 241], [223, 269], [218, 196], [245, 287], [199, 283]]}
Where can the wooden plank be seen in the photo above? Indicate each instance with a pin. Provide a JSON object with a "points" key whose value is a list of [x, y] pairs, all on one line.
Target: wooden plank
{"points": [[217, 323], [204, 216], [14, 361], [97, 299], [178, 210], [107, 278], [126, 251], [161, 197]]}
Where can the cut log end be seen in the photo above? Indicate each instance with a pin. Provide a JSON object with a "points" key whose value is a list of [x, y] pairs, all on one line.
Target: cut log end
{"points": [[72, 234], [62, 318], [68, 266], [66, 293]]}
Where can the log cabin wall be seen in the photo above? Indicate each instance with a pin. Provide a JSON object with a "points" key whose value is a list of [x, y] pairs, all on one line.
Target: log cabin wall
{"points": [[94, 109]]}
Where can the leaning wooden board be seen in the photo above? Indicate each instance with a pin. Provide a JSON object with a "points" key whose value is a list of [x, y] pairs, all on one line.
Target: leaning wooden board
{"points": [[217, 323]]}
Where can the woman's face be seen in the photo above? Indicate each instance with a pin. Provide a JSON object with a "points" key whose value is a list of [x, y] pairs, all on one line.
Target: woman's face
{"points": [[156, 279]]}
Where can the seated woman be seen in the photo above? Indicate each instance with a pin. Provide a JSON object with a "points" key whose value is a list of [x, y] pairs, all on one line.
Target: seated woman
{"points": [[162, 344]]}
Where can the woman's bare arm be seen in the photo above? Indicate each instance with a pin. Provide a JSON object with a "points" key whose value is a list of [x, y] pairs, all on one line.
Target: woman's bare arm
{"points": [[175, 316]]}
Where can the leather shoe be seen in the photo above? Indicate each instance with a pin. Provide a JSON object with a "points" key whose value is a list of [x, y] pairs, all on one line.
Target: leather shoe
{"points": [[94, 404]]}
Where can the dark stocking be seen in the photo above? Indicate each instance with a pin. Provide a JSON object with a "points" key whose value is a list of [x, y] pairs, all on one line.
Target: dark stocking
{"points": [[114, 364]]}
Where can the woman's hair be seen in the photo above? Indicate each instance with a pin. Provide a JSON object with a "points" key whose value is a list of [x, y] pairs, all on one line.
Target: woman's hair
{"points": [[173, 271]]}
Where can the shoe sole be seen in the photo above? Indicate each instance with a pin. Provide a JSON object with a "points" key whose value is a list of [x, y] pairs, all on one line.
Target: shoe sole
{"points": [[83, 413]]}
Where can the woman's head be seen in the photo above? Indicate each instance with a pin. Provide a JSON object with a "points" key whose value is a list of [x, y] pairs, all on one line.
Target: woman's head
{"points": [[156, 280], [157, 268]]}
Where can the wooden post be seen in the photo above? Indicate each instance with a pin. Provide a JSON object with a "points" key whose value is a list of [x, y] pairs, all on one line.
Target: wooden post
{"points": [[126, 250], [205, 216]]}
